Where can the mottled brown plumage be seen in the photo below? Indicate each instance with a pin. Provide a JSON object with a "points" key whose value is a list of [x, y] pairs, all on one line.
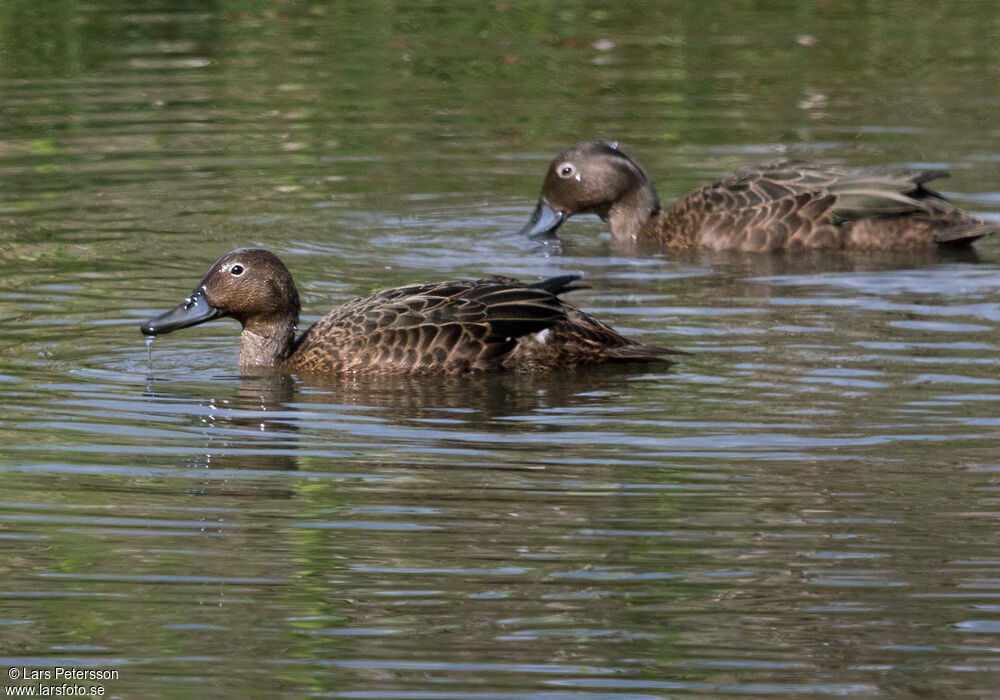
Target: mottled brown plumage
{"points": [[762, 208], [484, 325]]}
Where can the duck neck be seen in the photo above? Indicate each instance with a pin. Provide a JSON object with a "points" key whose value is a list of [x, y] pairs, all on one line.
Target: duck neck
{"points": [[266, 342], [630, 213]]}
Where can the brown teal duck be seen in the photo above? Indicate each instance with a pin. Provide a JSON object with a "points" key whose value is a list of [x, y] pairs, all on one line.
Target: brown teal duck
{"points": [[483, 325], [761, 208]]}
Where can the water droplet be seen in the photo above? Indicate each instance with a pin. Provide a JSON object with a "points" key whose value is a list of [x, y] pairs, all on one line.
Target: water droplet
{"points": [[149, 353]]}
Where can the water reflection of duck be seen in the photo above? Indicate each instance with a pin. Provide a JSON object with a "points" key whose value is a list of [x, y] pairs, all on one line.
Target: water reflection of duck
{"points": [[279, 423], [446, 327], [762, 208]]}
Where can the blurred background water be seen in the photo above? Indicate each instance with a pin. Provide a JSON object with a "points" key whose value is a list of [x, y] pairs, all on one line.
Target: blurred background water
{"points": [[807, 506]]}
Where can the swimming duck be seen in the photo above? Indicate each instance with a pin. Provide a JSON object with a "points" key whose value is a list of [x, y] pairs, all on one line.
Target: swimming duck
{"points": [[454, 327], [761, 208]]}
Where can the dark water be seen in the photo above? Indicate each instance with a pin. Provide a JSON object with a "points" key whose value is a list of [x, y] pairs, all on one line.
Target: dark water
{"points": [[806, 507]]}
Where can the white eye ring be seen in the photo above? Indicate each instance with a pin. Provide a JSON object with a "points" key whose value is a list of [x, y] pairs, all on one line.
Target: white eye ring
{"points": [[566, 170], [237, 270]]}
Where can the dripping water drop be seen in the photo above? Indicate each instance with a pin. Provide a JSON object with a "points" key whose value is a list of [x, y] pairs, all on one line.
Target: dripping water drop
{"points": [[149, 353]]}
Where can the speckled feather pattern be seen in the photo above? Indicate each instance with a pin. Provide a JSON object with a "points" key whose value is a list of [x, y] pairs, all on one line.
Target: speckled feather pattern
{"points": [[467, 326], [790, 205]]}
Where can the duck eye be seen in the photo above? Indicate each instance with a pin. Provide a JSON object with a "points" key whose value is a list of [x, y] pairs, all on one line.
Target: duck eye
{"points": [[236, 270], [566, 170]]}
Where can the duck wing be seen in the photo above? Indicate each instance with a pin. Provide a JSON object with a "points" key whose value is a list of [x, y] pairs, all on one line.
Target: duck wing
{"points": [[879, 210], [790, 204], [444, 327]]}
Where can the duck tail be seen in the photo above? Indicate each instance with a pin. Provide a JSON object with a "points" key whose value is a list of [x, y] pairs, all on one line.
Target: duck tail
{"points": [[961, 236], [560, 285], [640, 352]]}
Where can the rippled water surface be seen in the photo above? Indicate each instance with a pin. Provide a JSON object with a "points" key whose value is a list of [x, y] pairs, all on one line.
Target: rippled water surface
{"points": [[807, 506]]}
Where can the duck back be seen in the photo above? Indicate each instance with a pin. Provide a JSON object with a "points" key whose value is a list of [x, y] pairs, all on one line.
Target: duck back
{"points": [[792, 205], [455, 327]]}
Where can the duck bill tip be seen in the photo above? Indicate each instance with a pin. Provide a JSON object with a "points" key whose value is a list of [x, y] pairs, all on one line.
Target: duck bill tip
{"points": [[544, 221]]}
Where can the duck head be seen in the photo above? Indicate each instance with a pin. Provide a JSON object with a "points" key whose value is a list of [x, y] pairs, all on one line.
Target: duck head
{"points": [[251, 285], [595, 177]]}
